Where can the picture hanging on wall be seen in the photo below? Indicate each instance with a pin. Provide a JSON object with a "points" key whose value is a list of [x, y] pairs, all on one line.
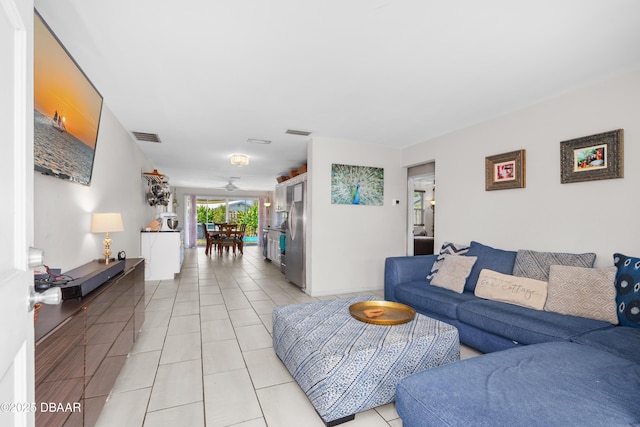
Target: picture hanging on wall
{"points": [[504, 171], [67, 110], [357, 185], [593, 157]]}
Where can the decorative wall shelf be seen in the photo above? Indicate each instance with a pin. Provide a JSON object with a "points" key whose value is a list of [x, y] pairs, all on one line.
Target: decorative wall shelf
{"points": [[155, 177], [159, 192]]}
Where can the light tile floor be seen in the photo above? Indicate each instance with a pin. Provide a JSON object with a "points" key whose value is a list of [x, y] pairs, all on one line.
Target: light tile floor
{"points": [[204, 356]]}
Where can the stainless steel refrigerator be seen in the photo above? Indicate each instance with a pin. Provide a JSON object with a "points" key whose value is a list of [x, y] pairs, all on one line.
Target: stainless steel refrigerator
{"points": [[295, 271]]}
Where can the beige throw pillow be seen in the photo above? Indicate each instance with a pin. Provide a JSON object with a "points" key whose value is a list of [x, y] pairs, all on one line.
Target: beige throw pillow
{"points": [[583, 292], [454, 272], [521, 291]]}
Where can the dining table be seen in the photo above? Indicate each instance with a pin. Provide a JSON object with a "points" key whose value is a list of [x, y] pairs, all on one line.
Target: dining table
{"points": [[217, 236]]}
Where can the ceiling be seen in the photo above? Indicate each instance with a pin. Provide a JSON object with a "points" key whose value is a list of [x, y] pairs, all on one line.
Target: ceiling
{"points": [[208, 75]]}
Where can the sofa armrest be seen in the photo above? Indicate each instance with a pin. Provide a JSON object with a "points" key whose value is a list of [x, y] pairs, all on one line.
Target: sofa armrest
{"points": [[405, 269]]}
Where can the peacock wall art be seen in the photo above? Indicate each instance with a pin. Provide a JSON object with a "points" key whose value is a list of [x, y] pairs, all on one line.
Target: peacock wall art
{"points": [[357, 185]]}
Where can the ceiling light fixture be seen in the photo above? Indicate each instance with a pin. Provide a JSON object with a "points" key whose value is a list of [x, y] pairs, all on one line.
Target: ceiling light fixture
{"points": [[239, 159]]}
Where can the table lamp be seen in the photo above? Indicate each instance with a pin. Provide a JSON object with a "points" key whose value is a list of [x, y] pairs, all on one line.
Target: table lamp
{"points": [[106, 223]]}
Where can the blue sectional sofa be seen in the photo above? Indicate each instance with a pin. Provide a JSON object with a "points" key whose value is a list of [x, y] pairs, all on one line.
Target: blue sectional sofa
{"points": [[483, 324], [556, 369]]}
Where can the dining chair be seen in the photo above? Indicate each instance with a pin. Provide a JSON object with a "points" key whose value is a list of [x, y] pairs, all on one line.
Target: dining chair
{"points": [[227, 227], [207, 237], [240, 237], [227, 239]]}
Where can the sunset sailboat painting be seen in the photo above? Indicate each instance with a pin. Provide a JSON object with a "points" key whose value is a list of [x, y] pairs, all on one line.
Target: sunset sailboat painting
{"points": [[67, 110]]}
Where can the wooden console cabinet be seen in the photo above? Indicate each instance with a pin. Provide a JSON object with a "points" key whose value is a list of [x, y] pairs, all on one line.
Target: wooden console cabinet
{"points": [[81, 346]]}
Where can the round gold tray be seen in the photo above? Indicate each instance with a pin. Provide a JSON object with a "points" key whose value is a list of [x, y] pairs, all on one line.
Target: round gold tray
{"points": [[394, 312]]}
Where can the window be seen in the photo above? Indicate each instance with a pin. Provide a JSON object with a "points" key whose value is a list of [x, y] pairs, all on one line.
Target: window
{"points": [[418, 208], [232, 211]]}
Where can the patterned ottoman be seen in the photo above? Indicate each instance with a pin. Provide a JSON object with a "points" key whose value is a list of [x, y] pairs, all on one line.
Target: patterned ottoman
{"points": [[346, 366]]}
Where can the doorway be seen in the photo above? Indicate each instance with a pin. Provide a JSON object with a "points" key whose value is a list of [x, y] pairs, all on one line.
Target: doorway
{"points": [[217, 210], [421, 209]]}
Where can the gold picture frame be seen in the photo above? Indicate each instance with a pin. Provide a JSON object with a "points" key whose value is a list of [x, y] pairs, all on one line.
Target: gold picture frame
{"points": [[592, 157], [505, 171]]}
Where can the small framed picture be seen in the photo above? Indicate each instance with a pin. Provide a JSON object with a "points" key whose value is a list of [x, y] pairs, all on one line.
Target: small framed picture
{"points": [[505, 171], [592, 157]]}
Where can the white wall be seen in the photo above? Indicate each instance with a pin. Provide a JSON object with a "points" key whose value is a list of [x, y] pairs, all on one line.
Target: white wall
{"points": [[598, 216], [63, 209], [346, 244]]}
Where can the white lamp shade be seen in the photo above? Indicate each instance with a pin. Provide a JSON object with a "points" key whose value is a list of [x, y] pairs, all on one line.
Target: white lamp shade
{"points": [[106, 223]]}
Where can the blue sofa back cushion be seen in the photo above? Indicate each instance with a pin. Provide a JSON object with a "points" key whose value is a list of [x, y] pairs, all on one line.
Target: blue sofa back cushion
{"points": [[490, 258], [628, 289]]}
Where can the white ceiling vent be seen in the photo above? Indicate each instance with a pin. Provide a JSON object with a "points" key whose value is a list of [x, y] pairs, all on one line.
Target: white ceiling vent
{"points": [[258, 141], [298, 132], [146, 137]]}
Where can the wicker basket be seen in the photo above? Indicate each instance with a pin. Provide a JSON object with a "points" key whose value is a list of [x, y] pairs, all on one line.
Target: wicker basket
{"points": [[36, 310], [282, 179], [293, 173], [302, 169]]}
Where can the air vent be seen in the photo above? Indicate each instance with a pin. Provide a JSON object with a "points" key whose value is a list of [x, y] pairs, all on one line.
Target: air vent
{"points": [[258, 141], [146, 137], [298, 132]]}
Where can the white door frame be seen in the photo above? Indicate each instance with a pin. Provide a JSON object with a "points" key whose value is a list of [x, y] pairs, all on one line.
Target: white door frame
{"points": [[411, 183], [410, 188], [17, 398]]}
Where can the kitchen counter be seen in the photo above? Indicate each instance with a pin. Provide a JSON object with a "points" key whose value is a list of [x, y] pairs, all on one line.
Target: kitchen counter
{"points": [[163, 252]]}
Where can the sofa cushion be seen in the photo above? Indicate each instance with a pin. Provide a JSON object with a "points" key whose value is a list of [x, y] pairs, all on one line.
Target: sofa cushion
{"points": [[512, 289], [447, 248], [490, 258], [454, 272], [524, 325], [584, 292], [552, 384], [535, 265], [623, 341], [405, 269], [628, 289], [431, 298]]}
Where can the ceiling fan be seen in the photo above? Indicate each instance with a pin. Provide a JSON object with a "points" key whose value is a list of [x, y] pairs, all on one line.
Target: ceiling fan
{"points": [[231, 187]]}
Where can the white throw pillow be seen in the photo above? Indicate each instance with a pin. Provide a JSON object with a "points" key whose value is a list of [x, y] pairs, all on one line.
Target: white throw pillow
{"points": [[520, 291], [583, 292], [447, 248], [454, 272]]}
